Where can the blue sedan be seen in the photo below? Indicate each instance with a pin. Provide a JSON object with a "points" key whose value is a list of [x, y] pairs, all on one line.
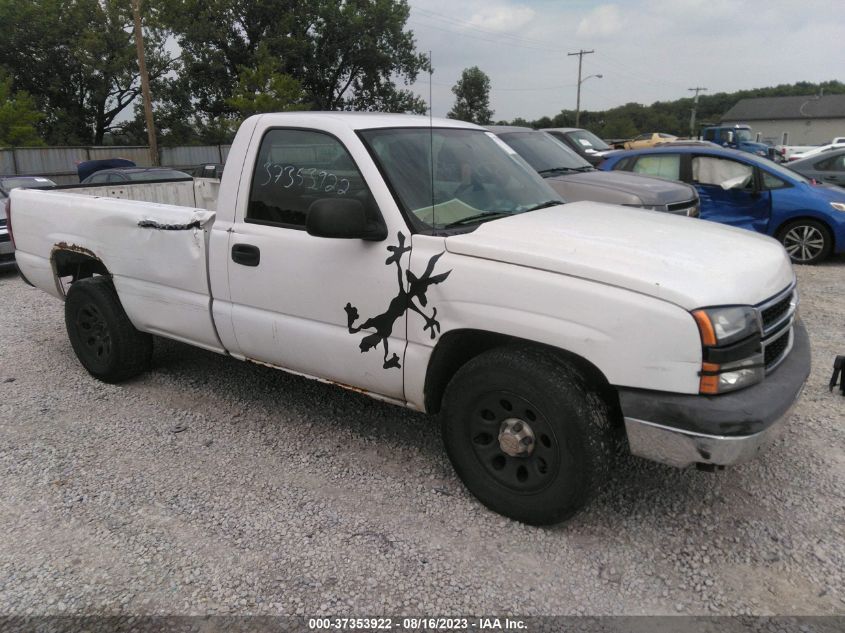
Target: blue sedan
{"points": [[750, 192]]}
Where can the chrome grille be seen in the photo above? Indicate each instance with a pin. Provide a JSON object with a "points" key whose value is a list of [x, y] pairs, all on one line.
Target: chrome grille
{"points": [[776, 312], [775, 316], [689, 208], [677, 206], [775, 350]]}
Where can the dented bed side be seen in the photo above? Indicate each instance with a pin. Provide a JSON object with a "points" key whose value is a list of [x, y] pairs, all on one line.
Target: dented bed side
{"points": [[155, 253]]}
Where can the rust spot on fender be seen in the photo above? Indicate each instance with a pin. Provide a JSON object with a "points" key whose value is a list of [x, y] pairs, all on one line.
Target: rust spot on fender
{"points": [[327, 381], [74, 248]]}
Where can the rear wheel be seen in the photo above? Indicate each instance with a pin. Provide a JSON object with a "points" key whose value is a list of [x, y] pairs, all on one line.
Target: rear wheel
{"points": [[526, 435], [806, 241], [103, 338]]}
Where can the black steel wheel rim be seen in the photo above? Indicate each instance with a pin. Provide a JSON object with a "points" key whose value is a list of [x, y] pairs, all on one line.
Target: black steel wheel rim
{"points": [[522, 474], [93, 331]]}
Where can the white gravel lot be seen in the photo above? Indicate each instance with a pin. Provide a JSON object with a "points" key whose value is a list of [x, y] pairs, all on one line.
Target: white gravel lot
{"points": [[286, 496]]}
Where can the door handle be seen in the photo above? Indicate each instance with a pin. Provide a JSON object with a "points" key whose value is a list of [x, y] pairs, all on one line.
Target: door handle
{"points": [[246, 254]]}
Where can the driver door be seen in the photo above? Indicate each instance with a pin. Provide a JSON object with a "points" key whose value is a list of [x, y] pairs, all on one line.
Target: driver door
{"points": [[730, 192], [318, 306]]}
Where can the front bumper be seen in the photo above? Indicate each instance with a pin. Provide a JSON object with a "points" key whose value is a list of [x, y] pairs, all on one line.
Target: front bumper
{"points": [[681, 430]]}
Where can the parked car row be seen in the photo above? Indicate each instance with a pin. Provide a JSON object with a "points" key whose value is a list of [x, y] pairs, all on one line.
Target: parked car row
{"points": [[575, 179], [751, 192]]}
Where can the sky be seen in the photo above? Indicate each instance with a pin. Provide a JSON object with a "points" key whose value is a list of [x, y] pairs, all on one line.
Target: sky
{"points": [[645, 50]]}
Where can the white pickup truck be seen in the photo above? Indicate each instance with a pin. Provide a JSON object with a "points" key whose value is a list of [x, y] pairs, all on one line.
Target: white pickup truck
{"points": [[424, 263]]}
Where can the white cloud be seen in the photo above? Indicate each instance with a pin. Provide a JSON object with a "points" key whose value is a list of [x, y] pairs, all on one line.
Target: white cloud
{"points": [[502, 18], [602, 21]]}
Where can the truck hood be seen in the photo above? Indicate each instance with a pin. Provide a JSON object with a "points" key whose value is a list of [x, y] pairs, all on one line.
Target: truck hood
{"points": [[753, 148], [651, 191], [691, 263]]}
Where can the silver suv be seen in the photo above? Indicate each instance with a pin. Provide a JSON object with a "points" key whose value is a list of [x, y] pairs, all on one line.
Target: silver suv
{"points": [[575, 179]]}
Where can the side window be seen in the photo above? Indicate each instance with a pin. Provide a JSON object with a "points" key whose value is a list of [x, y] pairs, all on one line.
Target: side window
{"points": [[834, 163], [770, 181], [98, 178], [823, 165], [660, 165], [722, 172], [709, 135], [116, 178], [625, 164], [296, 167]]}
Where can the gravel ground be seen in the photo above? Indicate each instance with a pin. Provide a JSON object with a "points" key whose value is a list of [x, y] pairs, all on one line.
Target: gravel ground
{"points": [[283, 495]]}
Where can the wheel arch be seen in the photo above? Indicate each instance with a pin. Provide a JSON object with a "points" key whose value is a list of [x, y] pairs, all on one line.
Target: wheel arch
{"points": [[457, 347], [807, 216], [77, 262]]}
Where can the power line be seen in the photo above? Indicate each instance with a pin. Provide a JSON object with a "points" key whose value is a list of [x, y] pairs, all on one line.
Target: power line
{"points": [[498, 42], [433, 15]]}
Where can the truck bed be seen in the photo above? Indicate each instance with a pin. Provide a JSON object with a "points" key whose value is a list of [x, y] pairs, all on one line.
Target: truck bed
{"points": [[197, 193], [156, 253]]}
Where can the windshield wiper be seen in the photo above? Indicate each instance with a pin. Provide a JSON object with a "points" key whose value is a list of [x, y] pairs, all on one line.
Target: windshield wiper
{"points": [[478, 217], [544, 205], [586, 168], [555, 170]]}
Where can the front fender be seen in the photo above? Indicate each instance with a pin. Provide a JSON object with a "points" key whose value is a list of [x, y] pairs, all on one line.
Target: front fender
{"points": [[634, 339]]}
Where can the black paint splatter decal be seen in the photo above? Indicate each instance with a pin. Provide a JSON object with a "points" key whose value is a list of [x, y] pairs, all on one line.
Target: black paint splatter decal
{"points": [[404, 301]]}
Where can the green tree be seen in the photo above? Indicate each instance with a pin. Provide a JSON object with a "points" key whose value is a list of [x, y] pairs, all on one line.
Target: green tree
{"points": [[77, 59], [265, 88], [472, 97], [18, 117], [345, 55]]}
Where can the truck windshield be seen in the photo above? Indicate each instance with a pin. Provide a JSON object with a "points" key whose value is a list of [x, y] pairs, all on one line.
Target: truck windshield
{"points": [[744, 136], [545, 153], [588, 140], [475, 177]]}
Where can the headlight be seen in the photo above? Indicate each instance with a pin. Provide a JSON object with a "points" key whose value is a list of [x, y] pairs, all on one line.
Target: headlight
{"points": [[731, 351], [839, 206], [723, 326]]}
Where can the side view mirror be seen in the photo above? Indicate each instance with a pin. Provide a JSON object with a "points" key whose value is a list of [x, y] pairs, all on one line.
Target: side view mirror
{"points": [[343, 218]]}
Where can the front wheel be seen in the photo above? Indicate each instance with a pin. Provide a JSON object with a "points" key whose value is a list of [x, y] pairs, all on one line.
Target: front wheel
{"points": [[526, 435], [806, 241], [103, 337]]}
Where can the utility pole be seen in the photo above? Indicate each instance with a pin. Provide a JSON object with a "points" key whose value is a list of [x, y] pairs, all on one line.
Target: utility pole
{"points": [[580, 54], [145, 83], [696, 90]]}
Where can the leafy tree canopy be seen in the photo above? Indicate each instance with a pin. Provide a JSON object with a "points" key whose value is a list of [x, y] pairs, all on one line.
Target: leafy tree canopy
{"points": [[344, 55], [18, 117], [77, 59], [472, 97]]}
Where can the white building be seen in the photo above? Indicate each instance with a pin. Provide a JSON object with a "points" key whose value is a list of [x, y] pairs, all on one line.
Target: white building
{"points": [[806, 120]]}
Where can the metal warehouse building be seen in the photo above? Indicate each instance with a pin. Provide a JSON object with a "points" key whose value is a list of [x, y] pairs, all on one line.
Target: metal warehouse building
{"points": [[807, 120]]}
